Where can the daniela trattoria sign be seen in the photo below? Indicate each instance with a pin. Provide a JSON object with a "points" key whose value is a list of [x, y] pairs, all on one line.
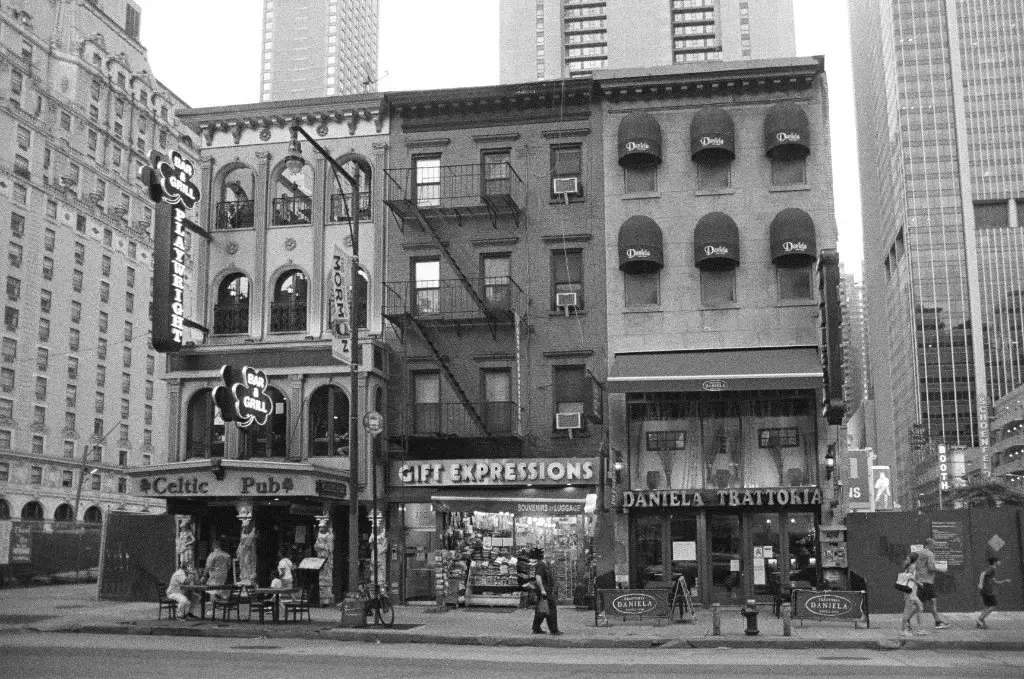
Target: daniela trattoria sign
{"points": [[537, 471], [754, 497]]}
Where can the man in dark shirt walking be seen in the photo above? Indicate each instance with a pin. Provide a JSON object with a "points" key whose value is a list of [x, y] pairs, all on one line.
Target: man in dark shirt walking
{"points": [[545, 592]]}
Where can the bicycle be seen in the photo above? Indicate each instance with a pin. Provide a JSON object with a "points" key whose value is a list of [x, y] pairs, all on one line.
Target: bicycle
{"points": [[379, 604]]}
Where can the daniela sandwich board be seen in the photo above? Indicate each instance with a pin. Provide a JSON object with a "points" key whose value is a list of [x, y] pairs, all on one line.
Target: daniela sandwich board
{"points": [[640, 603], [809, 604]]}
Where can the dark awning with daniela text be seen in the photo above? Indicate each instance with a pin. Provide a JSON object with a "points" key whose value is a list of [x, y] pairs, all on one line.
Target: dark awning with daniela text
{"points": [[712, 135], [716, 242], [717, 370], [639, 140], [640, 246], [787, 133], [792, 238]]}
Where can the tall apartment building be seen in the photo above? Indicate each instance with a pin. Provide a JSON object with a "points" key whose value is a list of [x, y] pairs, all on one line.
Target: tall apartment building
{"points": [[940, 114], [857, 390], [548, 39], [81, 397], [313, 48]]}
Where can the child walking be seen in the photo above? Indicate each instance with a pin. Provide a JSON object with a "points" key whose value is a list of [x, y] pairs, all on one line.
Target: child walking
{"points": [[987, 588]]}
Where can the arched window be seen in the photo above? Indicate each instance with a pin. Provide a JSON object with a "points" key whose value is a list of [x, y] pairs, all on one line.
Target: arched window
{"points": [[341, 196], [93, 515], [328, 422], [32, 511], [205, 437], [271, 439], [64, 513], [288, 310], [235, 208], [293, 203], [5, 509], [231, 313]]}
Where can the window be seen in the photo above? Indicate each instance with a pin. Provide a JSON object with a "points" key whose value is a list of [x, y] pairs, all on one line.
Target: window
{"points": [[640, 179], [205, 435], [96, 484], [101, 375], [42, 359], [108, 234], [35, 477], [5, 476], [17, 86], [76, 280], [122, 485], [17, 225], [40, 388], [131, 277], [131, 21], [101, 402], [38, 445], [69, 425], [567, 162], [126, 408], [150, 364], [288, 310], [71, 396], [642, 289], [39, 416], [51, 212], [20, 194], [72, 368], [10, 349], [126, 357], [129, 302], [147, 414], [103, 321], [76, 311], [79, 254], [231, 313], [795, 282], [65, 121], [80, 223], [21, 167], [427, 403], [497, 284], [714, 175], [93, 140], [268, 440], [24, 138], [128, 330], [567, 275], [149, 389], [69, 448], [49, 239], [126, 383], [788, 172], [717, 287], [11, 318], [6, 409], [13, 288], [104, 292], [427, 170], [497, 172], [101, 348], [571, 391], [44, 329], [74, 339], [427, 285], [6, 380], [105, 265], [991, 215], [97, 429], [499, 409], [48, 268], [14, 254], [67, 478], [124, 433]]}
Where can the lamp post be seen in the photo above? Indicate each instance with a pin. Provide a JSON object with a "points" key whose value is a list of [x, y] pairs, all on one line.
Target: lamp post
{"points": [[295, 161]]}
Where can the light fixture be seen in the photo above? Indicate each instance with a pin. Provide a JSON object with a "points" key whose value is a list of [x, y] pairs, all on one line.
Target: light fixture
{"points": [[830, 462], [293, 160]]}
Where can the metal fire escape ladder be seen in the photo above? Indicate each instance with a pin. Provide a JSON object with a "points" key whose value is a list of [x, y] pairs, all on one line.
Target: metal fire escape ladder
{"points": [[442, 360], [477, 299]]}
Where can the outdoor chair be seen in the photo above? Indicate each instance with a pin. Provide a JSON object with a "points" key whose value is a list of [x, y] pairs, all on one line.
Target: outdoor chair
{"points": [[233, 602], [166, 604], [297, 608], [261, 605]]}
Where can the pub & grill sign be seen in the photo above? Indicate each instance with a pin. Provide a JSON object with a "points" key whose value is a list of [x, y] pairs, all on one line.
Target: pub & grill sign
{"points": [[243, 399]]}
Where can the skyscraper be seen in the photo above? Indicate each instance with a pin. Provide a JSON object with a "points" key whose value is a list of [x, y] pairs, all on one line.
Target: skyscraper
{"points": [[315, 48], [940, 114], [546, 39]]}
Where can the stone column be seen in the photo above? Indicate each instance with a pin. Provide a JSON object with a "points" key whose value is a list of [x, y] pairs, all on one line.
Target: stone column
{"points": [[185, 541], [246, 552], [324, 548]]}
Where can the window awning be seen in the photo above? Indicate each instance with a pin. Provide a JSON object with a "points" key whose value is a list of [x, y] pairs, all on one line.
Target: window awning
{"points": [[639, 140], [712, 135], [786, 132], [792, 238], [640, 246], [717, 370], [716, 242]]}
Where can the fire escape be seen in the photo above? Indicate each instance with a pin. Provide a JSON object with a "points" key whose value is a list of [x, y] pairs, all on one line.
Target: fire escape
{"points": [[435, 202]]}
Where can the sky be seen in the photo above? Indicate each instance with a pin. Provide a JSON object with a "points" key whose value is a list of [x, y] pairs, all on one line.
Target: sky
{"points": [[426, 44]]}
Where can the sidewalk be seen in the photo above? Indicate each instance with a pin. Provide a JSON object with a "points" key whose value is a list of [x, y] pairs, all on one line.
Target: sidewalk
{"points": [[74, 608]]}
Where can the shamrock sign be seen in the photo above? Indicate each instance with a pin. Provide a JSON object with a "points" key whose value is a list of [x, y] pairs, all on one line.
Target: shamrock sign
{"points": [[243, 399]]}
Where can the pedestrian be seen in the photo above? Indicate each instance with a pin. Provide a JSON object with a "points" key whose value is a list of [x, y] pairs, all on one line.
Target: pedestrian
{"points": [[925, 576], [912, 605], [987, 588], [182, 578], [285, 568], [547, 595], [216, 572]]}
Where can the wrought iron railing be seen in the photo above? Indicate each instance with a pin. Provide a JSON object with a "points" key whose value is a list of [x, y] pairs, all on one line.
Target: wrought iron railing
{"points": [[450, 300], [340, 211], [236, 214], [495, 187], [230, 319], [292, 211], [287, 316]]}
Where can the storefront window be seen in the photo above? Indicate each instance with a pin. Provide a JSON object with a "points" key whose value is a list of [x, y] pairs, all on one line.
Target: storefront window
{"points": [[270, 439], [803, 561], [765, 553], [205, 436], [683, 546], [649, 542], [725, 539], [328, 422]]}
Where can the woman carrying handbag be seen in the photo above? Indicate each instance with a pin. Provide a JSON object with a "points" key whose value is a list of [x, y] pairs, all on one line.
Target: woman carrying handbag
{"points": [[906, 582]]}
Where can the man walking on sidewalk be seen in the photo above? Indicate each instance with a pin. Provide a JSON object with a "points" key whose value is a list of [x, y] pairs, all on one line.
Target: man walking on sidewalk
{"points": [[545, 594], [926, 570]]}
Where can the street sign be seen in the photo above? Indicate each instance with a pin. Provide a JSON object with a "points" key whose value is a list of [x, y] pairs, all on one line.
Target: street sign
{"points": [[374, 422], [341, 332]]}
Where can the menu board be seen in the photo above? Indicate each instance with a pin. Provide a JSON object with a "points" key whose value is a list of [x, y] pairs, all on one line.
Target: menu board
{"points": [[949, 542]]}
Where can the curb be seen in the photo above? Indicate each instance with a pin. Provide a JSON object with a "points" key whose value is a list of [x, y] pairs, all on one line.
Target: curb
{"points": [[400, 637]]}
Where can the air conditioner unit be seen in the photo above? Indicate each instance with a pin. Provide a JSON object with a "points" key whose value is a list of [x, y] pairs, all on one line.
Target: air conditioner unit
{"points": [[569, 421], [566, 300], [565, 186]]}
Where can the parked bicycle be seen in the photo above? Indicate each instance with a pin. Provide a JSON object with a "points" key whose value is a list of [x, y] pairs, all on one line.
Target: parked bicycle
{"points": [[378, 603]]}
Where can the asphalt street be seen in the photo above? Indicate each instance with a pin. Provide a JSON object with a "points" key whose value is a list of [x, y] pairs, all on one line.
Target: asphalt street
{"points": [[27, 655]]}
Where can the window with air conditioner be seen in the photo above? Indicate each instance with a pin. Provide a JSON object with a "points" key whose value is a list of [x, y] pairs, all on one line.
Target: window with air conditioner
{"points": [[567, 171], [571, 392], [567, 280]]}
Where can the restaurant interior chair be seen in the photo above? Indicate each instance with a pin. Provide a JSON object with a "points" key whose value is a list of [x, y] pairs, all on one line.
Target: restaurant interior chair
{"points": [[297, 608], [166, 604], [233, 602], [261, 604]]}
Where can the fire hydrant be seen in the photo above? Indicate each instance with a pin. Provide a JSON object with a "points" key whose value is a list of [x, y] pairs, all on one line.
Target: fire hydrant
{"points": [[750, 613]]}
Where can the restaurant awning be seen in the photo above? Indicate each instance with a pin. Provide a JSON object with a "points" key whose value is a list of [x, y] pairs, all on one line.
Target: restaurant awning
{"points": [[712, 135], [716, 242], [640, 246], [717, 370], [792, 238], [639, 140], [786, 132]]}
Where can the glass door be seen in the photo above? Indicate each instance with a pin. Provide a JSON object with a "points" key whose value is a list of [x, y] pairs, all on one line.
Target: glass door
{"points": [[683, 546], [765, 554], [724, 543]]}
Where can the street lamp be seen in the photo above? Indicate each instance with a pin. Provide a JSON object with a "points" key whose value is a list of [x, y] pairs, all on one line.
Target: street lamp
{"points": [[294, 162]]}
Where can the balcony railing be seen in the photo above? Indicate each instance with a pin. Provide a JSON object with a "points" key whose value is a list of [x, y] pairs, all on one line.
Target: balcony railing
{"points": [[292, 211], [236, 214], [458, 191], [452, 420], [449, 300], [340, 211], [288, 317], [231, 319]]}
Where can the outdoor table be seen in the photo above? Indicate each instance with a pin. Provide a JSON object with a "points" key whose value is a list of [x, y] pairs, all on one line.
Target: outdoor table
{"points": [[277, 592], [203, 590]]}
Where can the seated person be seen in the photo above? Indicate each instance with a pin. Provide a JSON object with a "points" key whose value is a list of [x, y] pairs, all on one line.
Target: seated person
{"points": [[182, 578]]}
